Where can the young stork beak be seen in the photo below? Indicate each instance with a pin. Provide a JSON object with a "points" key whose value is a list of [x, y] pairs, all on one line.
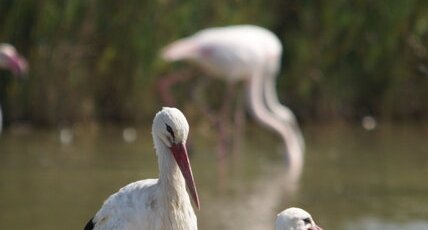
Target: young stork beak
{"points": [[315, 227]]}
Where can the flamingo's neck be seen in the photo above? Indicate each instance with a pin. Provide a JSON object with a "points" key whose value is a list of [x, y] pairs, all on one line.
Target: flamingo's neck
{"points": [[280, 111], [255, 97], [3, 61]]}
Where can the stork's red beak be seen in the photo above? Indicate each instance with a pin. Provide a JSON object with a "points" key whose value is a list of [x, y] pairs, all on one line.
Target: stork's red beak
{"points": [[180, 154]]}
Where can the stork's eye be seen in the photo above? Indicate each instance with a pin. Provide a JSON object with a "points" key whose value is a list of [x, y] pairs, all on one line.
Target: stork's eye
{"points": [[169, 129], [307, 221]]}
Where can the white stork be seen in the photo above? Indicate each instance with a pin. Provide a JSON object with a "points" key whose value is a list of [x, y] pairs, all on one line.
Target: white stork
{"points": [[156, 204], [295, 219]]}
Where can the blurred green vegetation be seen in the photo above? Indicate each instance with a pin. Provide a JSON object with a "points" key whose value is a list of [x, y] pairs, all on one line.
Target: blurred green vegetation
{"points": [[93, 60]]}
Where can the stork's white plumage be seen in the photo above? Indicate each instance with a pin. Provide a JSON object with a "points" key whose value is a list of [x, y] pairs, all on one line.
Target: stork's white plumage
{"points": [[295, 219], [156, 204]]}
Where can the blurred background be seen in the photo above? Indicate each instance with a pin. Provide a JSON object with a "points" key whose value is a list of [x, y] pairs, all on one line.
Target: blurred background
{"points": [[93, 80]]}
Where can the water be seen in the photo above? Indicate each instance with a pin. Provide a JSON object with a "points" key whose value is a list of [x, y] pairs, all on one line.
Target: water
{"points": [[353, 179]]}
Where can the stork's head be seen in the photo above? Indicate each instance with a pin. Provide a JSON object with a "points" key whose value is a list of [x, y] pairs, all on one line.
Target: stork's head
{"points": [[295, 219], [11, 60], [170, 127]]}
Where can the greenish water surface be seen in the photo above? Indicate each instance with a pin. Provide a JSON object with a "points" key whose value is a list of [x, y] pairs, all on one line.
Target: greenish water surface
{"points": [[353, 178]]}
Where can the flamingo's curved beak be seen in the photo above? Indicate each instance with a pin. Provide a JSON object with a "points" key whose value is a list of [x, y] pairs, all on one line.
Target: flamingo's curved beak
{"points": [[18, 65], [181, 157], [179, 50]]}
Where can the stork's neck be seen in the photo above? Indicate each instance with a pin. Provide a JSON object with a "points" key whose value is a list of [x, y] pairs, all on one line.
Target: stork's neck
{"points": [[172, 186]]}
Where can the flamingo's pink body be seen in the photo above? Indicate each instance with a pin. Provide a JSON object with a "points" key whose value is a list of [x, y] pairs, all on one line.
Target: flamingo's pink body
{"points": [[251, 54]]}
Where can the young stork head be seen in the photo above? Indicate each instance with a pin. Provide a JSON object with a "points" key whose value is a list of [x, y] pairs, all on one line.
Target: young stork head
{"points": [[295, 219], [170, 128]]}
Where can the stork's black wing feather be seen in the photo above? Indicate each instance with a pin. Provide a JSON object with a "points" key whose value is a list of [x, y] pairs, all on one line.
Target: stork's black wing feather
{"points": [[90, 225]]}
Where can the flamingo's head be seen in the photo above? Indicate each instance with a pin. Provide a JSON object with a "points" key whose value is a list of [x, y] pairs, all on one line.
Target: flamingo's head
{"points": [[11, 60], [295, 219], [170, 128]]}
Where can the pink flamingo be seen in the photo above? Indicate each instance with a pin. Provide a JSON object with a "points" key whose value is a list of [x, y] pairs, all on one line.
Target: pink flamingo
{"points": [[12, 61], [251, 54]]}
